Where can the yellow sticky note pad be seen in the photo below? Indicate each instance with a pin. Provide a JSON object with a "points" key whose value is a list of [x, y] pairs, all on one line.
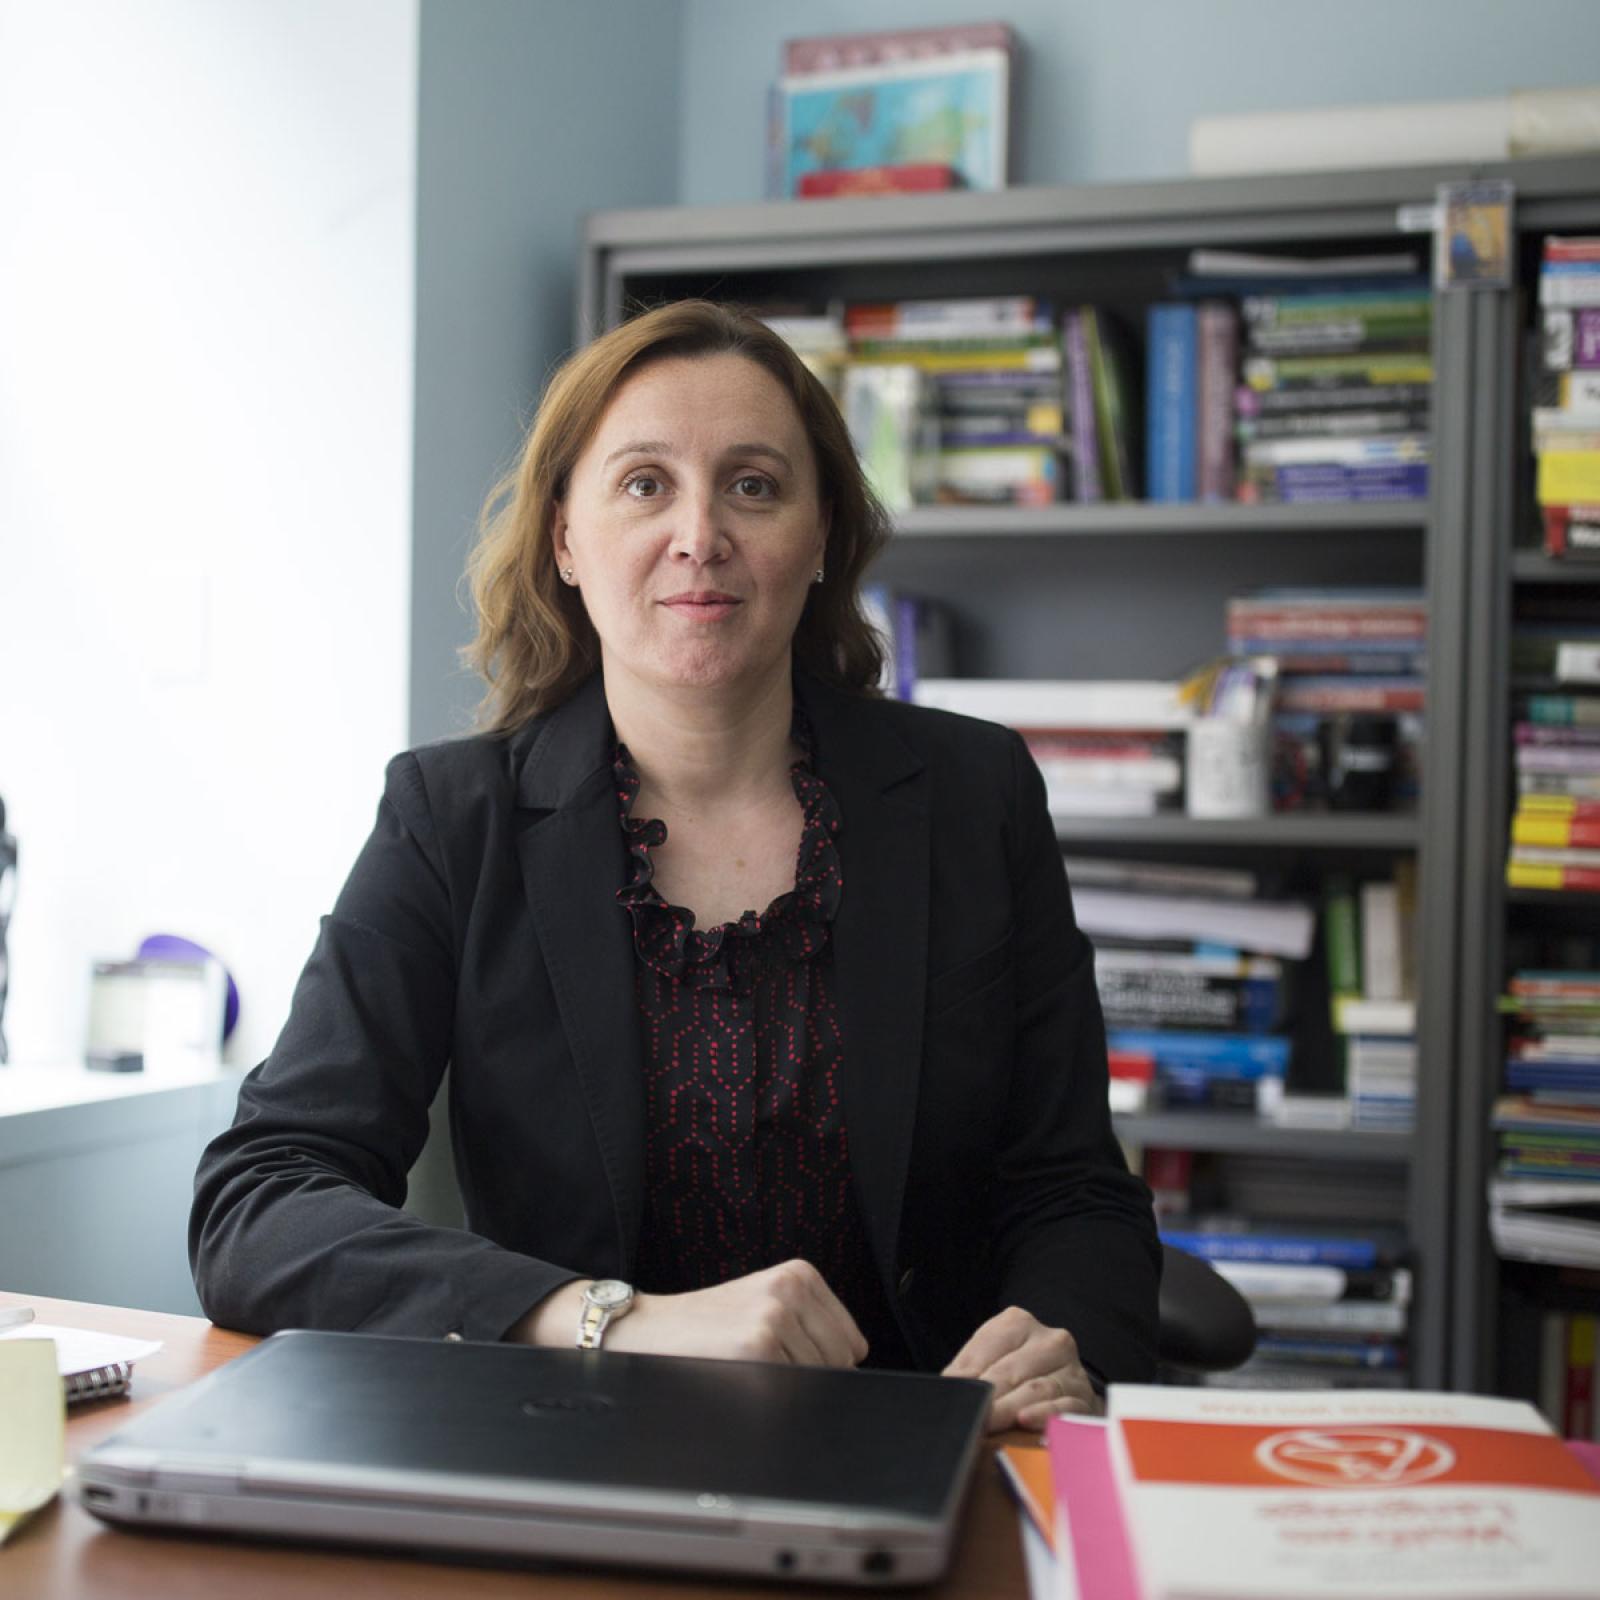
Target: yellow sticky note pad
{"points": [[32, 1429]]}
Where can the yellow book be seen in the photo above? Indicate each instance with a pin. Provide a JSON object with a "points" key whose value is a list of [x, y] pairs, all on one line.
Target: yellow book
{"points": [[1523, 875], [1559, 805], [1568, 477], [1555, 831]]}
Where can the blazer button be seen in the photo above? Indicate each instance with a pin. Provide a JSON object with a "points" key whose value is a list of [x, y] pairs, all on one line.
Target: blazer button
{"points": [[907, 1278]]}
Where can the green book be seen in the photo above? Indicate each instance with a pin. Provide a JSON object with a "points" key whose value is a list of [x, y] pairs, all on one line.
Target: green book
{"points": [[1341, 932]]}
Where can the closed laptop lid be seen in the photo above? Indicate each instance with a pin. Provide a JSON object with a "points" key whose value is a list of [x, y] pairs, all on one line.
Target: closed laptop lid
{"points": [[493, 1425]]}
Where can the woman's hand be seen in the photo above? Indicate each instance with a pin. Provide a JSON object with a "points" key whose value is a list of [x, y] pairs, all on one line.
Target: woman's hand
{"points": [[783, 1313], [1034, 1369]]}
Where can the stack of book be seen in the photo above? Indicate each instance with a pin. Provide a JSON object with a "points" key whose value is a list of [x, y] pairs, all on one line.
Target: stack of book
{"points": [[1369, 933], [1342, 653], [1106, 749], [1193, 968], [1336, 394], [970, 391], [1566, 413], [1544, 1196], [1331, 1304], [1569, 1380], [1181, 1494], [1555, 829], [1187, 1021]]}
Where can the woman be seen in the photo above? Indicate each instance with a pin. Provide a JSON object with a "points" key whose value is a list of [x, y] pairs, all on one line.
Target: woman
{"points": [[865, 1124]]}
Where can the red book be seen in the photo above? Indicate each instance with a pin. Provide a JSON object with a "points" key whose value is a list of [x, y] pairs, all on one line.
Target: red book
{"points": [[1572, 249], [1572, 531], [911, 177]]}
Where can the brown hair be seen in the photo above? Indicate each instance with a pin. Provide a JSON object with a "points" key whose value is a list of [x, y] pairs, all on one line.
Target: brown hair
{"points": [[535, 643]]}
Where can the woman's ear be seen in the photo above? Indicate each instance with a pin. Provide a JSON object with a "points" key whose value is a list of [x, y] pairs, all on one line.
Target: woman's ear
{"points": [[558, 536]]}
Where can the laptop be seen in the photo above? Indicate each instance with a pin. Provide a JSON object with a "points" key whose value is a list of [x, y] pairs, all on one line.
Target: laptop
{"points": [[508, 1452]]}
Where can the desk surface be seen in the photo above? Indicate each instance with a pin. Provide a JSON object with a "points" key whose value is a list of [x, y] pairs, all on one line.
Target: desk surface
{"points": [[65, 1554]]}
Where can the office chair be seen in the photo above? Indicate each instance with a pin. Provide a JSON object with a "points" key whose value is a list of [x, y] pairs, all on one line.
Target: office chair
{"points": [[1206, 1325]]}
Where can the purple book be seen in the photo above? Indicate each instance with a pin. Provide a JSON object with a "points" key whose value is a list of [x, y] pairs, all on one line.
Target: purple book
{"points": [[1219, 372], [1086, 485]]}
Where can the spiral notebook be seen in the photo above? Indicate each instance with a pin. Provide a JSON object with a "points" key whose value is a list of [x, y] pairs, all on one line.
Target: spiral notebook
{"points": [[92, 1365]]}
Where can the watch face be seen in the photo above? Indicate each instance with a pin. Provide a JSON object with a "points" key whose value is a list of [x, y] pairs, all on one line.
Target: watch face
{"points": [[609, 1293]]}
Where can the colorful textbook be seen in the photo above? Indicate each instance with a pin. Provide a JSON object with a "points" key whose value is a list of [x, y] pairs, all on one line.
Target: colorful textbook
{"points": [[1199, 1494]]}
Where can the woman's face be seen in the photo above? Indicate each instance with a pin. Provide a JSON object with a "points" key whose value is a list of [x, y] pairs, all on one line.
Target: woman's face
{"points": [[692, 525]]}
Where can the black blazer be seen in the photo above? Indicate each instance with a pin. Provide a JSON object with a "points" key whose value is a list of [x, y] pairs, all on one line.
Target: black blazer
{"points": [[479, 928]]}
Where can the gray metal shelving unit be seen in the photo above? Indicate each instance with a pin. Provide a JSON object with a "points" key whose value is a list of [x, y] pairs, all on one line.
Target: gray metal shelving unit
{"points": [[1099, 591], [1501, 564]]}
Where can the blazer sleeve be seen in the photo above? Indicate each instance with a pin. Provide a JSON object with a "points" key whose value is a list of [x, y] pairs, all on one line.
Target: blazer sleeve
{"points": [[1075, 1231], [296, 1219]]}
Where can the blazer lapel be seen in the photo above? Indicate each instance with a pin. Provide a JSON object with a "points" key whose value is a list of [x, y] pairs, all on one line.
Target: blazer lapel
{"points": [[570, 834], [880, 939]]}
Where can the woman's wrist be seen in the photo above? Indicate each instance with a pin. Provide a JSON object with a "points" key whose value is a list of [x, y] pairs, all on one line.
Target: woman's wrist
{"points": [[553, 1321]]}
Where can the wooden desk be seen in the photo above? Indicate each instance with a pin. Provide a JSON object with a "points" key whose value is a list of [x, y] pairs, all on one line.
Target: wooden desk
{"points": [[65, 1554]]}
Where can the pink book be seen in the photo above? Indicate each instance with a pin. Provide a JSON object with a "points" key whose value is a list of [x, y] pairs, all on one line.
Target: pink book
{"points": [[1091, 1532]]}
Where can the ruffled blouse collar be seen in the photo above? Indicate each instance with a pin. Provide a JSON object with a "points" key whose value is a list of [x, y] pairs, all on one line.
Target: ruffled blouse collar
{"points": [[734, 955]]}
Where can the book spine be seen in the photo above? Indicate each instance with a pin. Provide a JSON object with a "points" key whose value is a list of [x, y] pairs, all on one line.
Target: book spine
{"points": [[1357, 396], [1087, 488], [1336, 424], [1340, 1317], [1290, 1250], [1312, 372], [1170, 397], [1235, 1054], [1162, 998], [1574, 289], [1325, 695], [1341, 935], [1563, 710], [1218, 373], [1578, 1409], [1114, 473], [1571, 338], [1380, 941], [1383, 451], [1342, 1352], [1520, 875], [1567, 477], [1309, 483], [1554, 833]]}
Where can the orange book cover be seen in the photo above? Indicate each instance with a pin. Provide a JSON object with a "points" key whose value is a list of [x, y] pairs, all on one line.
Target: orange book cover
{"points": [[1339, 1494]]}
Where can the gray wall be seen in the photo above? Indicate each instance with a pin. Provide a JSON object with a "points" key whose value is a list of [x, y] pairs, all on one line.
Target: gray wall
{"points": [[530, 113], [1110, 86]]}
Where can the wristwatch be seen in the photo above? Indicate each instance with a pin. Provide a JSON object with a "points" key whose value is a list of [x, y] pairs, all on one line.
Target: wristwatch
{"points": [[604, 1300]]}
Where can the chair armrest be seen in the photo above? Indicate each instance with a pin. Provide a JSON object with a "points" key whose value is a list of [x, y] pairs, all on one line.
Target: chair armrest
{"points": [[1206, 1324]]}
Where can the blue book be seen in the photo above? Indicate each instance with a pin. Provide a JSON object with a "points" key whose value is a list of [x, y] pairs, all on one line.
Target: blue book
{"points": [[1286, 1249], [1171, 402], [1232, 1055]]}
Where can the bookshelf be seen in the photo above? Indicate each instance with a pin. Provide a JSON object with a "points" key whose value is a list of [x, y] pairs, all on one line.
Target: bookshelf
{"points": [[1497, 1304], [1139, 590]]}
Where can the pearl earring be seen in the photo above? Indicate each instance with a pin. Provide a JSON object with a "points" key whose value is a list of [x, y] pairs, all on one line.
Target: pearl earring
{"points": [[566, 574], [818, 578]]}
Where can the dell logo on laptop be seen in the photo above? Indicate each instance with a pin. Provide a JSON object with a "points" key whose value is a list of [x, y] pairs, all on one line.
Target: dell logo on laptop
{"points": [[565, 1404]]}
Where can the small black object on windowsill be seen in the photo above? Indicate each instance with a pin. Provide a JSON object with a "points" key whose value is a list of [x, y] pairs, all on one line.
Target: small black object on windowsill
{"points": [[114, 1060]]}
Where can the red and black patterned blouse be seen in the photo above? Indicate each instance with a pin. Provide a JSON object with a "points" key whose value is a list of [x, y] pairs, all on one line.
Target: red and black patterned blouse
{"points": [[747, 1157]]}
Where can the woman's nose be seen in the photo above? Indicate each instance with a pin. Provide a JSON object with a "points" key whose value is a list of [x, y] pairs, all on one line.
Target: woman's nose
{"points": [[699, 535]]}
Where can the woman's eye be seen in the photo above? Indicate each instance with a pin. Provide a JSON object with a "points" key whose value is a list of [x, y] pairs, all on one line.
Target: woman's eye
{"points": [[754, 486], [642, 486]]}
